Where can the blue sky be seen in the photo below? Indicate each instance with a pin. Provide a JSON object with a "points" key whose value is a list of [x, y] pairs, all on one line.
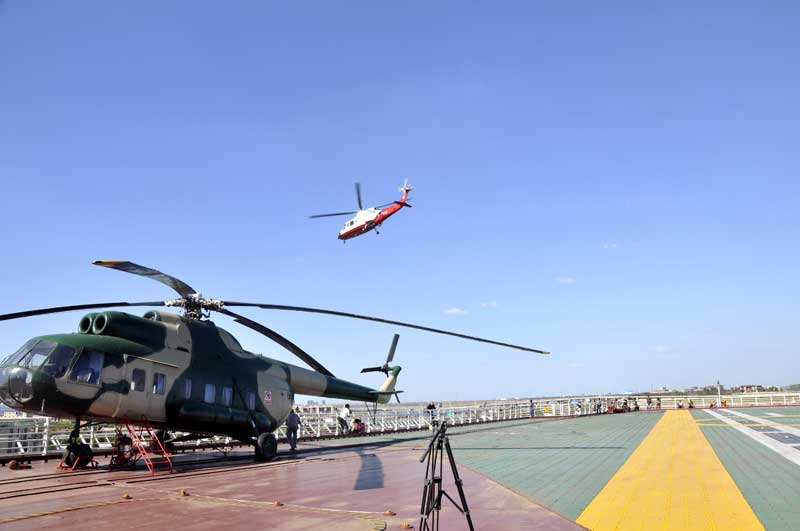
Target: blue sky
{"points": [[616, 182]]}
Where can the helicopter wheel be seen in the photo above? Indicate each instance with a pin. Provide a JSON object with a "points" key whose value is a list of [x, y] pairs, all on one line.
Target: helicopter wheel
{"points": [[82, 453], [266, 447]]}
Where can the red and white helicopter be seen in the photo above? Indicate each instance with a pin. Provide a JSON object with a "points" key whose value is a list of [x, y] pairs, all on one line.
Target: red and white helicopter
{"points": [[367, 219]]}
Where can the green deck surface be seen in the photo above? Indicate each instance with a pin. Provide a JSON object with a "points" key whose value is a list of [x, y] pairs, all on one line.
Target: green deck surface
{"points": [[769, 482], [562, 464]]}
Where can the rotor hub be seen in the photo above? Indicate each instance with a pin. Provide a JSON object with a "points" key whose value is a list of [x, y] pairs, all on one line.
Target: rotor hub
{"points": [[195, 306]]}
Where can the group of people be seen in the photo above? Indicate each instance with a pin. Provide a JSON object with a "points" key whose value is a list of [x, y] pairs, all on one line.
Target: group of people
{"points": [[293, 424], [653, 405]]}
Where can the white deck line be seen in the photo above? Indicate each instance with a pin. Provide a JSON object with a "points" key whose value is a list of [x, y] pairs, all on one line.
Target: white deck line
{"points": [[767, 422], [774, 414], [790, 453]]}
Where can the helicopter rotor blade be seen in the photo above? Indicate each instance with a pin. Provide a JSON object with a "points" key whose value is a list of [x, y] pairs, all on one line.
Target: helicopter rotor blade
{"points": [[380, 320], [279, 339], [59, 309], [372, 369], [358, 196], [390, 357], [183, 289], [329, 215]]}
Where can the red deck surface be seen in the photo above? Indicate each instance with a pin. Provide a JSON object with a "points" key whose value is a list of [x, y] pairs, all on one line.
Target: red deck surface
{"points": [[342, 489]]}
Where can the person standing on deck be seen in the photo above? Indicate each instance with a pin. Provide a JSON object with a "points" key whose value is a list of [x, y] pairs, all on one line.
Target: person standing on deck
{"points": [[344, 419], [292, 425]]}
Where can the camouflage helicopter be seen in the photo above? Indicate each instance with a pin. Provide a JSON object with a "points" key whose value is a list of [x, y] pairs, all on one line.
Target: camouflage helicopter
{"points": [[177, 372]]}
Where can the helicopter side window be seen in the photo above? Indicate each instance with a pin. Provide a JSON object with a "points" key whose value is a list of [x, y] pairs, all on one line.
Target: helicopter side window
{"points": [[88, 367], [210, 394], [187, 388], [227, 396], [159, 383], [137, 380], [251, 400], [58, 362]]}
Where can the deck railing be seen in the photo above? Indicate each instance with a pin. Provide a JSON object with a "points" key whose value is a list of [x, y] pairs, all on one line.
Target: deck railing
{"points": [[38, 436]]}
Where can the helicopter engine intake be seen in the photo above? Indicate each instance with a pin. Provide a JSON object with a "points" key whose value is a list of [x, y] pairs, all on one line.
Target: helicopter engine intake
{"points": [[127, 326]]}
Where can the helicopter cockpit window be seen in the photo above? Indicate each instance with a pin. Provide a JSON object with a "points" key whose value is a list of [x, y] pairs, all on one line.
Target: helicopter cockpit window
{"points": [[58, 362], [14, 358], [88, 367], [38, 354], [187, 388], [159, 383], [137, 380]]}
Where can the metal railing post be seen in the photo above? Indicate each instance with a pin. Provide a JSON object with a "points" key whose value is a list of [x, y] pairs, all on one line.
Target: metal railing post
{"points": [[46, 436]]}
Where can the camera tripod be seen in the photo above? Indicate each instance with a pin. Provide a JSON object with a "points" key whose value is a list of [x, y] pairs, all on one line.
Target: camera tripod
{"points": [[433, 492]]}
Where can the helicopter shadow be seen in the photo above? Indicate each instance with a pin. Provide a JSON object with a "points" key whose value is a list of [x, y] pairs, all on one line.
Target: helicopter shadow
{"points": [[370, 475]]}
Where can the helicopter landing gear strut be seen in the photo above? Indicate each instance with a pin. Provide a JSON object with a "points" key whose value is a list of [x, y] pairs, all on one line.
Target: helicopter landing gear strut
{"points": [[266, 447], [77, 454]]}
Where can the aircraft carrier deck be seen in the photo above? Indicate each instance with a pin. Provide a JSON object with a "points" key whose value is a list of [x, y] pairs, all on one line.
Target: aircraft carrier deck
{"points": [[721, 469]]}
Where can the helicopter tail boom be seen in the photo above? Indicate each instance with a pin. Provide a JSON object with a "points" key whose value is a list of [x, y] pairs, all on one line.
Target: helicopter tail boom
{"points": [[388, 388]]}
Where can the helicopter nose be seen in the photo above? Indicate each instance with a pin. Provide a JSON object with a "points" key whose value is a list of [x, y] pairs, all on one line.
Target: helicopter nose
{"points": [[15, 385]]}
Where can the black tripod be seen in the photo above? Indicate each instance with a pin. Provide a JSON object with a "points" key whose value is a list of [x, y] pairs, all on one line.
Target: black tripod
{"points": [[432, 492]]}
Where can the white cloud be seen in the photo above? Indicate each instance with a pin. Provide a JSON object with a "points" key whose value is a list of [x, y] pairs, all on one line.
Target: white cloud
{"points": [[565, 280], [455, 311], [489, 304], [610, 245]]}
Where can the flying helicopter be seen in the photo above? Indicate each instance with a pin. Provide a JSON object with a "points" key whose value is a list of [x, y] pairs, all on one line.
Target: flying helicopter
{"points": [[178, 372], [367, 219]]}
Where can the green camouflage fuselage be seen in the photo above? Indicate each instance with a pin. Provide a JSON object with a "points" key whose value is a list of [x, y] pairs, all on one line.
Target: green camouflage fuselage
{"points": [[169, 371]]}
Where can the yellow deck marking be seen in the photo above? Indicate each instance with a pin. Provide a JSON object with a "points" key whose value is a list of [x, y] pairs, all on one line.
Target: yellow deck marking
{"points": [[673, 481]]}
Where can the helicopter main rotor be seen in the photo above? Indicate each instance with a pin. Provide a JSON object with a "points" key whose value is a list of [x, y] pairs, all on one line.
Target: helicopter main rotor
{"points": [[196, 307]]}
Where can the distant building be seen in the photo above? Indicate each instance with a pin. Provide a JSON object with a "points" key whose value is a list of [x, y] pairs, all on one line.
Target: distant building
{"points": [[747, 388], [706, 389]]}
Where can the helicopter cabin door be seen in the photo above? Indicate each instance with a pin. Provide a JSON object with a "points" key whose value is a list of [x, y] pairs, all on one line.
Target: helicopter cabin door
{"points": [[113, 387], [96, 380], [146, 382]]}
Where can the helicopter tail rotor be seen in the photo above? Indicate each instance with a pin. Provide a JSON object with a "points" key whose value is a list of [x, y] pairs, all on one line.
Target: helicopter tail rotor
{"points": [[385, 367]]}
